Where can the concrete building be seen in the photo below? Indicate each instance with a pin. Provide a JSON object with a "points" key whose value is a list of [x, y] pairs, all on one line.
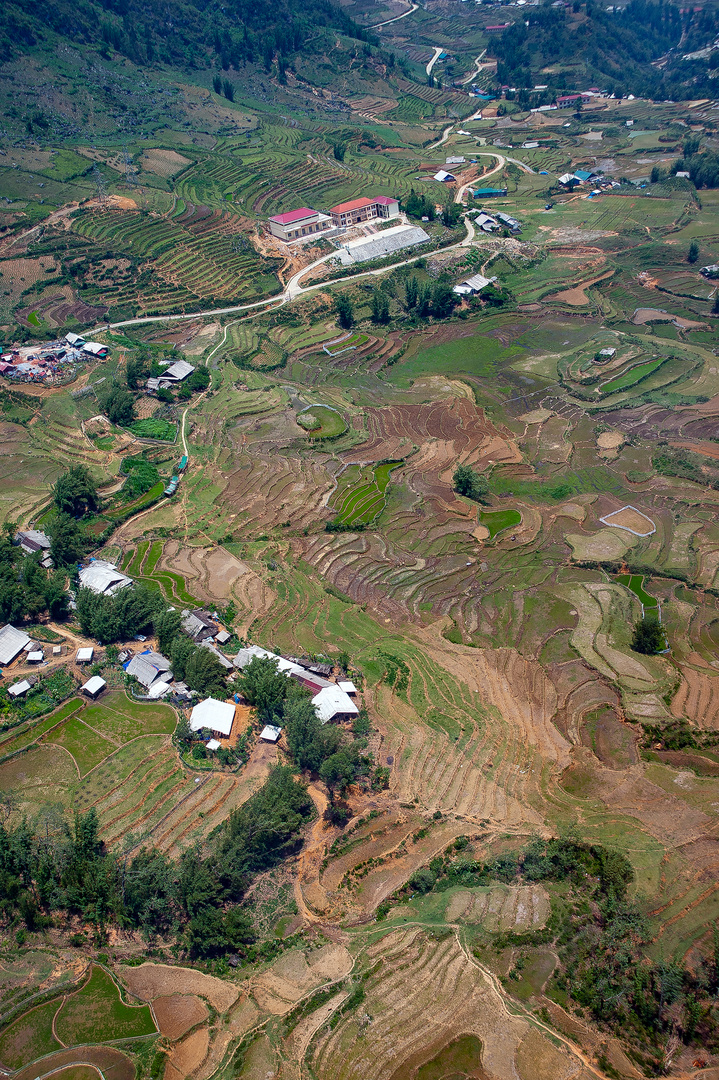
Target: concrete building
{"points": [[84, 656], [298, 223], [356, 211]]}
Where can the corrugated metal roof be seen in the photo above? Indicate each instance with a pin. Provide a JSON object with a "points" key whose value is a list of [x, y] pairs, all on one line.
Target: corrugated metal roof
{"points": [[386, 242], [103, 577], [12, 642], [332, 702], [94, 685], [142, 669], [213, 714], [179, 370]]}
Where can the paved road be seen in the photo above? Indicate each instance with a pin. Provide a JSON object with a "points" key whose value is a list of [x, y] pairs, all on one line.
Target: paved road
{"points": [[412, 7], [292, 290], [437, 53]]}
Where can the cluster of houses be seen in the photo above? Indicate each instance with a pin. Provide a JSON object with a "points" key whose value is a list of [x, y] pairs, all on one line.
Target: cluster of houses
{"points": [[306, 223], [47, 363], [600, 182], [16, 645], [489, 223], [333, 700]]}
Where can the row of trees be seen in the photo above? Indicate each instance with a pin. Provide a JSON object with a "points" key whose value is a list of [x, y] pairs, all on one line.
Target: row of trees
{"points": [[49, 868]]}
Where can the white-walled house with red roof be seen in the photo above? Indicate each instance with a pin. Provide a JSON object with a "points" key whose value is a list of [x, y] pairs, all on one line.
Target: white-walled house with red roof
{"points": [[299, 223]]}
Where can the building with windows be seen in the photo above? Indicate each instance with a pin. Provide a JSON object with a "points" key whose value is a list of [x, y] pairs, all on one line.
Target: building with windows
{"points": [[356, 211], [298, 223]]}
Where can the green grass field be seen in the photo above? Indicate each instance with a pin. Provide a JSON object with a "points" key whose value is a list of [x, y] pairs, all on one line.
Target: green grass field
{"points": [[29, 1037], [635, 582], [332, 423], [633, 376], [97, 1013], [154, 429], [361, 496], [100, 728], [498, 520]]}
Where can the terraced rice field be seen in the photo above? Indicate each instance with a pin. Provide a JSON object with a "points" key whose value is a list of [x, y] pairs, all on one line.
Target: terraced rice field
{"points": [[361, 493], [499, 520]]}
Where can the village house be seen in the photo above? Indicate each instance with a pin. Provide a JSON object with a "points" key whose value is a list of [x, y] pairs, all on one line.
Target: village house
{"points": [[298, 223], [216, 716], [356, 211]]}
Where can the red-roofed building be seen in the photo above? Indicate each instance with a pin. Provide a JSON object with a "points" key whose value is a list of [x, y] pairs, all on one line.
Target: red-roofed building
{"points": [[359, 210], [299, 223]]}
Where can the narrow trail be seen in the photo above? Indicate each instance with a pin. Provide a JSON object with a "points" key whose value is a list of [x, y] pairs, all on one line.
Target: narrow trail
{"points": [[412, 7]]}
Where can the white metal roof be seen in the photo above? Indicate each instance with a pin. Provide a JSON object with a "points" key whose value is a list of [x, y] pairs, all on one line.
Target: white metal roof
{"points": [[95, 348], [12, 642], [84, 654], [246, 656], [385, 242], [223, 636], [18, 688], [35, 657], [270, 733], [158, 689], [178, 371], [94, 685], [443, 175], [157, 660], [476, 282], [213, 744], [347, 686], [103, 577], [142, 669], [213, 714], [331, 702]]}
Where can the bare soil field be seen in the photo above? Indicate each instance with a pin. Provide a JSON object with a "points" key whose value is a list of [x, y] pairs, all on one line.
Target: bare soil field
{"points": [[113, 1064], [296, 972], [150, 981], [632, 520], [187, 1056], [210, 573], [163, 162], [176, 1014], [577, 295]]}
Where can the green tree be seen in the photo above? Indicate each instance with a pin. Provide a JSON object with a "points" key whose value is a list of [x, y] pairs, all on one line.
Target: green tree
{"points": [[444, 300], [345, 311], [75, 493], [451, 213], [167, 625], [67, 541], [380, 306], [228, 89], [119, 406], [648, 637], [467, 482], [265, 688], [217, 83], [693, 252], [715, 305], [136, 371], [411, 292]]}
